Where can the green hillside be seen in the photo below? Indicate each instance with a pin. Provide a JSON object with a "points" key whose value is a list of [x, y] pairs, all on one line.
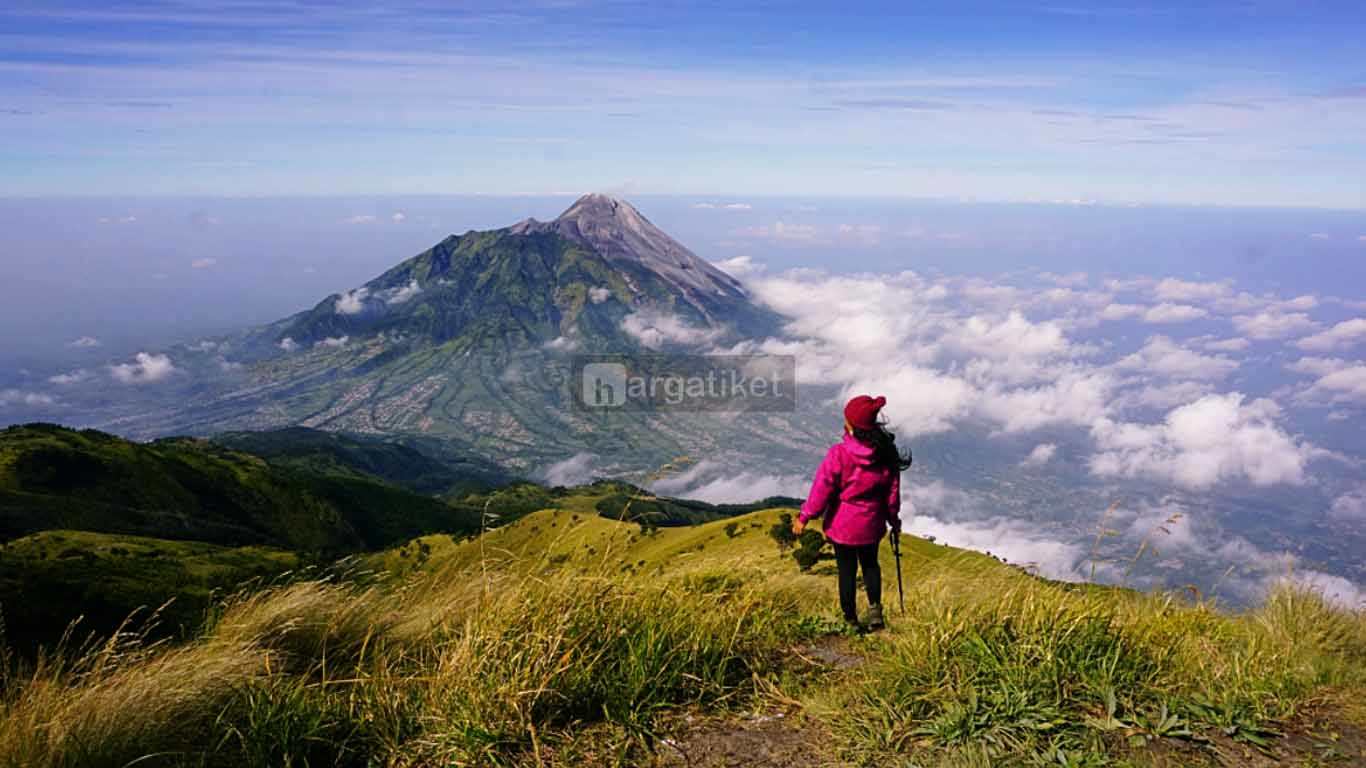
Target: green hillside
{"points": [[49, 579], [425, 468], [194, 490], [568, 639]]}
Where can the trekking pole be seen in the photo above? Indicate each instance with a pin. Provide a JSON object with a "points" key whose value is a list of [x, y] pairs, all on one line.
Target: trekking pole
{"points": [[896, 552]]}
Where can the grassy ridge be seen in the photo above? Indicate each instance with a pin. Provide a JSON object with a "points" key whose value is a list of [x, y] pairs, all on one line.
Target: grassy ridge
{"points": [[567, 638], [193, 490]]}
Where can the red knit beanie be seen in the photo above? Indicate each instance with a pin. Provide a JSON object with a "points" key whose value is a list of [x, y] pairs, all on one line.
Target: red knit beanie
{"points": [[861, 412]]}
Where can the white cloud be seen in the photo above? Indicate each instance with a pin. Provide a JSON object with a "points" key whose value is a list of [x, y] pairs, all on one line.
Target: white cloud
{"points": [[400, 294], [1164, 397], [1350, 506], [1164, 357], [364, 218], [1076, 397], [332, 342], [288, 344], [738, 206], [1173, 313], [1319, 236], [73, 377], [1346, 385], [1172, 289], [655, 329], [1216, 438], [575, 470], [1334, 589], [203, 263], [85, 342], [1227, 345], [1273, 325], [1041, 455], [1344, 334], [920, 401], [709, 481], [599, 295], [9, 397], [704, 206], [739, 266], [782, 231], [352, 302], [1121, 311], [146, 368], [1017, 541], [1317, 366], [399, 217]]}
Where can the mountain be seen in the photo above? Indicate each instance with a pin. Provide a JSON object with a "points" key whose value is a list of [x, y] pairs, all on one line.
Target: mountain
{"points": [[575, 279], [470, 344]]}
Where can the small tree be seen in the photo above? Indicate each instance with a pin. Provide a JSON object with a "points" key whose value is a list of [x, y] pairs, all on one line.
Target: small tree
{"points": [[782, 531], [809, 549]]}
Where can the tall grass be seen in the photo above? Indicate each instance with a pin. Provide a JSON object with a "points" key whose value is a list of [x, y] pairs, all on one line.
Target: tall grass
{"points": [[1037, 672], [440, 671]]}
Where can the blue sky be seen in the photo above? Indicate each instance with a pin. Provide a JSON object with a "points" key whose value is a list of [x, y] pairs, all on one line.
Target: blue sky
{"points": [[1230, 103]]}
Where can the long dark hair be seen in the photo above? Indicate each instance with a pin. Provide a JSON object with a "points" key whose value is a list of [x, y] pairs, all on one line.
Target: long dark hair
{"points": [[884, 447]]}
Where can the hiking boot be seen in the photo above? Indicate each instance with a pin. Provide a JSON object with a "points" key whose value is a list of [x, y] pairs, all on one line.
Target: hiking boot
{"points": [[874, 617], [855, 626]]}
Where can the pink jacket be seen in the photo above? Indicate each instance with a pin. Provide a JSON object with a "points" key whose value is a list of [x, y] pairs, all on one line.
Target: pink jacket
{"points": [[858, 498]]}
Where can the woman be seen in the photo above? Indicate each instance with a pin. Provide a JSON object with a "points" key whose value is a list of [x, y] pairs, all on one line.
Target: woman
{"points": [[857, 490]]}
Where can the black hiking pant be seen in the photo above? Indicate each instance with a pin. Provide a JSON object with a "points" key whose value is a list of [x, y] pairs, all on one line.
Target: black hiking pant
{"points": [[849, 560]]}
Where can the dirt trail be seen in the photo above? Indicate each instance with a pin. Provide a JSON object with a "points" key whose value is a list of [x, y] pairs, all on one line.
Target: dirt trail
{"points": [[776, 737]]}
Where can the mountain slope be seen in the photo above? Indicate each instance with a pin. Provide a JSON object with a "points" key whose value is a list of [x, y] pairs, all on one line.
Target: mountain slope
{"points": [[192, 490]]}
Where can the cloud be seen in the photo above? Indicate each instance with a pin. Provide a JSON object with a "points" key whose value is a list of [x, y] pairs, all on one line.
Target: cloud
{"points": [[11, 397], [1317, 366], [352, 302], [1077, 398], [1172, 289], [399, 217], [1041, 455], [364, 218], [575, 470], [331, 342], [1164, 357], [1227, 345], [67, 379], [1173, 313], [1121, 311], [85, 342], [704, 206], [1017, 541], [1345, 334], [738, 206], [1350, 507], [288, 344], [146, 368], [1334, 589], [739, 266], [1164, 397], [203, 263], [599, 294], [656, 329], [1216, 438], [710, 481], [1319, 236], [1264, 326], [1346, 385], [398, 294], [782, 231]]}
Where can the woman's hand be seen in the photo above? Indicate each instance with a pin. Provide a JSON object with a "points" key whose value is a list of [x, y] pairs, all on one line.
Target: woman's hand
{"points": [[798, 525]]}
